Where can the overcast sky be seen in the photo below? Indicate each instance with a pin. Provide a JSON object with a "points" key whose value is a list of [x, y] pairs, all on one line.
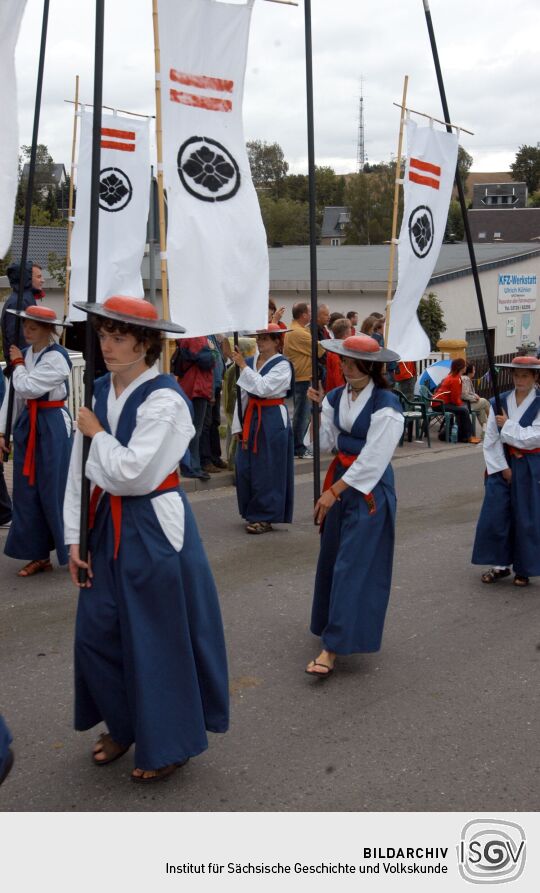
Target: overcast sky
{"points": [[488, 52]]}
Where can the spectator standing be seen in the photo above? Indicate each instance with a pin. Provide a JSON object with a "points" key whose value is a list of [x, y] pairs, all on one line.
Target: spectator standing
{"points": [[323, 334], [341, 329], [405, 377], [32, 274], [352, 316], [275, 313], [333, 316], [449, 392], [298, 350], [210, 444], [195, 373]]}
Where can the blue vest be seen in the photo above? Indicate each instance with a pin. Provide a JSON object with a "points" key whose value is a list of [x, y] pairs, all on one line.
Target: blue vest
{"points": [[354, 441], [59, 349], [279, 358], [128, 416], [530, 413]]}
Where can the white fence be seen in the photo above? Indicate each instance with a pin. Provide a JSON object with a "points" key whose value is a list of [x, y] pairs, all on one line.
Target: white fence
{"points": [[76, 383]]}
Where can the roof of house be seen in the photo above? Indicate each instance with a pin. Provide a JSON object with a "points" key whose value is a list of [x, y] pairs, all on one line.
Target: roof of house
{"points": [[334, 215], [513, 224], [42, 241], [57, 170], [351, 267]]}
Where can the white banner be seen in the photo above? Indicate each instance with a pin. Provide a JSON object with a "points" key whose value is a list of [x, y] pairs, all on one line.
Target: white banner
{"points": [[11, 13], [216, 244], [429, 177], [124, 198]]}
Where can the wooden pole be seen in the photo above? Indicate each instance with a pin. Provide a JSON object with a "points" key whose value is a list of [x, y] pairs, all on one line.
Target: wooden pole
{"points": [[161, 196], [70, 205], [462, 202], [397, 184]]}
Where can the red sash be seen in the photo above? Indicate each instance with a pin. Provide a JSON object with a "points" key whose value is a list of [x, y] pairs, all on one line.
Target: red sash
{"points": [[518, 454], [29, 467], [347, 460], [258, 402], [171, 481]]}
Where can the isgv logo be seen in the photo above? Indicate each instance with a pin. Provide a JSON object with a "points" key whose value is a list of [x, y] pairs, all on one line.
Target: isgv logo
{"points": [[491, 851]]}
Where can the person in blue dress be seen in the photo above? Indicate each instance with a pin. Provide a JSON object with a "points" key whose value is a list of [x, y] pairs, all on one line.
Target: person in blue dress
{"points": [[265, 456], [362, 421], [6, 753], [150, 658], [42, 437], [508, 529]]}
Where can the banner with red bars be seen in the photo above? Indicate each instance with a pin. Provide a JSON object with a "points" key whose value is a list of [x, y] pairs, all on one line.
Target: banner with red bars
{"points": [[217, 254], [429, 177], [124, 191]]}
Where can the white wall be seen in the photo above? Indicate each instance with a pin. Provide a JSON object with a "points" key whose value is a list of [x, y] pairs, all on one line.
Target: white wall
{"points": [[460, 306]]}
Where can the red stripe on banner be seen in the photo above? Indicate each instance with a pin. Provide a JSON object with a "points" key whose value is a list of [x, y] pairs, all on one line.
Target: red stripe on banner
{"points": [[122, 147], [200, 80], [425, 166], [210, 103], [424, 181], [121, 134]]}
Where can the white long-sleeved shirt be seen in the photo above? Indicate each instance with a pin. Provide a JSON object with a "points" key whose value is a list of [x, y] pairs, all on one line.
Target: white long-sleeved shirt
{"points": [[273, 385], [36, 379], [384, 434], [161, 436], [511, 433]]}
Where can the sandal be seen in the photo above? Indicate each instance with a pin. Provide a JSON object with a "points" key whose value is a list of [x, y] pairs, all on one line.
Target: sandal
{"points": [[113, 751], [493, 575], [519, 580], [34, 567], [316, 663], [160, 774], [258, 527]]}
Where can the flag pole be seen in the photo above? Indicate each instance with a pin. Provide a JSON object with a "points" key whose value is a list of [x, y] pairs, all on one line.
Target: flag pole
{"points": [[28, 209], [397, 184], [160, 190], [90, 341], [461, 194], [312, 249], [70, 205]]}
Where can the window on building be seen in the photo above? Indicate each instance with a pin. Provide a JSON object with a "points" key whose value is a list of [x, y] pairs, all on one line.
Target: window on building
{"points": [[335, 242], [476, 347]]}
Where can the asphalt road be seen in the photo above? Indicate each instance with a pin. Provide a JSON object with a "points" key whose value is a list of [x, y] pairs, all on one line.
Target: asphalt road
{"points": [[445, 717]]}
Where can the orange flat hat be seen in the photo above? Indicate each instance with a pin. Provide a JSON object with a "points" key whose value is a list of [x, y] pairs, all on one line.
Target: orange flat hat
{"points": [[133, 311], [40, 313]]}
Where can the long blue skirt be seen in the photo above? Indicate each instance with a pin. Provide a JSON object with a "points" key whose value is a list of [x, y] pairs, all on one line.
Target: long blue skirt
{"points": [[354, 571], [5, 741], [265, 479], [37, 527], [508, 529], [150, 656]]}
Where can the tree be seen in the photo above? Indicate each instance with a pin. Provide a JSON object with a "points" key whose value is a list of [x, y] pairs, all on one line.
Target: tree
{"points": [[43, 174], [57, 268], [370, 199], [431, 316], [464, 163], [268, 166], [455, 228], [526, 167], [286, 222]]}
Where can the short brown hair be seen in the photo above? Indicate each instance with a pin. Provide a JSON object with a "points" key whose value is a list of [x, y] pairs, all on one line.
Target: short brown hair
{"points": [[140, 333], [457, 365], [299, 309], [340, 325]]}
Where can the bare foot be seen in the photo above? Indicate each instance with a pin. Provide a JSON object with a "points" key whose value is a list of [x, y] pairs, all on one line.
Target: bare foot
{"points": [[326, 659]]}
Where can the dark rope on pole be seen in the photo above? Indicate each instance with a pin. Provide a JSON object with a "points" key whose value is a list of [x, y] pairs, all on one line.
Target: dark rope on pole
{"points": [[238, 388], [28, 207], [90, 341], [461, 194], [312, 252]]}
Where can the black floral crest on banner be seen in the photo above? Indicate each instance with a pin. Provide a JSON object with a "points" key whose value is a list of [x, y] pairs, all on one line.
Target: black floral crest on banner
{"points": [[207, 170], [421, 230], [115, 189]]}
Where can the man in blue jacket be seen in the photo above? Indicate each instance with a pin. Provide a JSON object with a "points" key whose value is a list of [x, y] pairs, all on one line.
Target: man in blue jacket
{"points": [[33, 282]]}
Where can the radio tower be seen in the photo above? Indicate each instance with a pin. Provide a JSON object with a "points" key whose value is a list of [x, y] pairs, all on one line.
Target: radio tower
{"points": [[361, 147]]}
